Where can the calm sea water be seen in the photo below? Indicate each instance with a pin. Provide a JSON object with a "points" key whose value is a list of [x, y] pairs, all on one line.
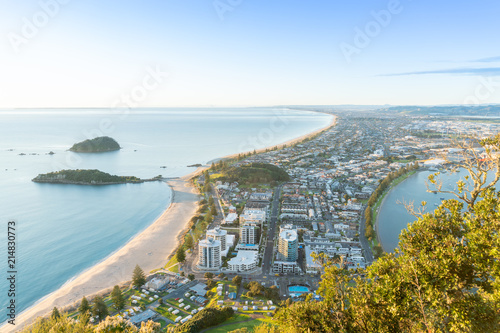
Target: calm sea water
{"points": [[65, 229], [393, 216]]}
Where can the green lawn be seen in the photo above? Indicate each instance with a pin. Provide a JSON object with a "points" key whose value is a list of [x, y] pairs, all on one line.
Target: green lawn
{"points": [[171, 262], [163, 323]]}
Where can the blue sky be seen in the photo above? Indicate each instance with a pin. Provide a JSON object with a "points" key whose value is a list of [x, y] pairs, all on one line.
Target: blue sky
{"points": [[70, 53]]}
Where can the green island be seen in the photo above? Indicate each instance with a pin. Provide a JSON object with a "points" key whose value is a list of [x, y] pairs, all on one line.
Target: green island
{"points": [[87, 177], [97, 145]]}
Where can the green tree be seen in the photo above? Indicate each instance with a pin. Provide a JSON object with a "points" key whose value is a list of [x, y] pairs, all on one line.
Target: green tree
{"points": [[55, 314], [237, 280], [210, 200], [255, 288], [377, 251], [84, 306], [369, 232], [209, 275], [209, 217], [210, 283], [180, 254], [188, 242], [99, 308], [117, 298], [138, 277], [191, 277]]}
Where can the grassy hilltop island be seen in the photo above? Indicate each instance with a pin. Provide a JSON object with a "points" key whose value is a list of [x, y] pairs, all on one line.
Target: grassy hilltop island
{"points": [[97, 145], [87, 177]]}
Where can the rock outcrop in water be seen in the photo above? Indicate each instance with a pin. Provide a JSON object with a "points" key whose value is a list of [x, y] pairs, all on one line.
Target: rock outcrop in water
{"points": [[97, 145]]}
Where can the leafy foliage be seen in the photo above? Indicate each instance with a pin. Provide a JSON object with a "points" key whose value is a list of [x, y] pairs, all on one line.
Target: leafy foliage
{"points": [[206, 318], [84, 306], [99, 308], [255, 173], [237, 280], [117, 297], [138, 277], [55, 313], [180, 254]]}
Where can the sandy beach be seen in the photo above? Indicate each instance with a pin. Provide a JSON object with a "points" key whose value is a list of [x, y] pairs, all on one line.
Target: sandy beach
{"points": [[150, 249]]}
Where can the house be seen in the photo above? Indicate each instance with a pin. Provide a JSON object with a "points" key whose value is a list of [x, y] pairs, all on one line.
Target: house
{"points": [[145, 316]]}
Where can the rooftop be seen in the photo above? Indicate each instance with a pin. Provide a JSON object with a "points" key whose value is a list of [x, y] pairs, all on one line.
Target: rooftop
{"points": [[289, 235]]}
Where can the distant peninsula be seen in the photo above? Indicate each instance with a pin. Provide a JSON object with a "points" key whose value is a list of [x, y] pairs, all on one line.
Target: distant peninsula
{"points": [[87, 177], [97, 145]]}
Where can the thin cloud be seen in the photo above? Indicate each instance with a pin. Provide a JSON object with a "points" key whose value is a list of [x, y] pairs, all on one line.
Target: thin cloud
{"points": [[491, 71], [490, 59]]}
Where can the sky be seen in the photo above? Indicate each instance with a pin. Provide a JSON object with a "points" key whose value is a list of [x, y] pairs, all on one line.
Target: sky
{"points": [[171, 53]]}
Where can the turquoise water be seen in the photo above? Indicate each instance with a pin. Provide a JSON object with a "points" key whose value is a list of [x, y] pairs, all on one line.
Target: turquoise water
{"points": [[298, 289], [65, 229]]}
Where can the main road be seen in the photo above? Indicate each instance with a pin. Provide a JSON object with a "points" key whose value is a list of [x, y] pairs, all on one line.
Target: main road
{"points": [[271, 230]]}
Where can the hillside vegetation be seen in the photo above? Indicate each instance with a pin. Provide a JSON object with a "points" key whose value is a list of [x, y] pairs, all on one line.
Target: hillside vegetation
{"points": [[96, 145], [254, 173]]}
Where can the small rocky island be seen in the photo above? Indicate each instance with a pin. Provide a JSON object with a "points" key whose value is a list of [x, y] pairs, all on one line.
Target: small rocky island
{"points": [[97, 145], [87, 177]]}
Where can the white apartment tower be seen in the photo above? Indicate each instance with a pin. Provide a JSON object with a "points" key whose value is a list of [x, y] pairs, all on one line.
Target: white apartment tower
{"points": [[218, 234], [209, 254]]}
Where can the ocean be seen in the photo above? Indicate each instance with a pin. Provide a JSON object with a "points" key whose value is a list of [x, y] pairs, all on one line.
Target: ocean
{"points": [[61, 230]]}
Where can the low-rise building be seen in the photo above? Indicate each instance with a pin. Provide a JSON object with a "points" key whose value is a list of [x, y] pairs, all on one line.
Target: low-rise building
{"points": [[244, 261], [286, 267]]}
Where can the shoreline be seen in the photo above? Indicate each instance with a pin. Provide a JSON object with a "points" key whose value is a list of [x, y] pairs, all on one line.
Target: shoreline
{"points": [[149, 248], [407, 176], [290, 142]]}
